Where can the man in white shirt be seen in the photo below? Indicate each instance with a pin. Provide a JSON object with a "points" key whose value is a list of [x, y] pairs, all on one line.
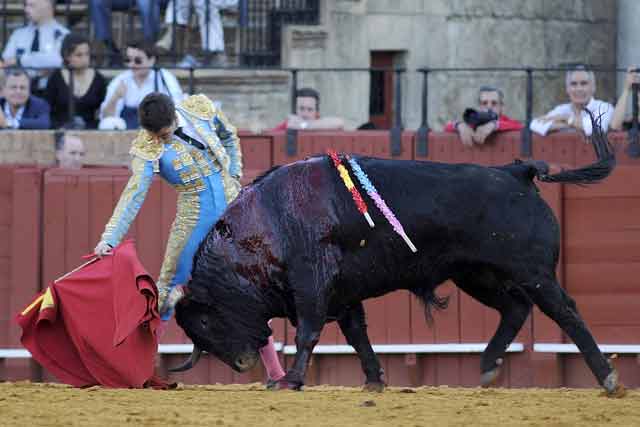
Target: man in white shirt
{"points": [[581, 85], [37, 44], [127, 89]]}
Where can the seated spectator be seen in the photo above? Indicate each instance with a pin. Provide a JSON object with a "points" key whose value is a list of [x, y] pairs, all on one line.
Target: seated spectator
{"points": [[89, 87], [127, 89], [618, 121], [581, 85], [18, 108], [211, 32], [70, 151], [476, 125], [101, 19], [307, 115], [37, 44]]}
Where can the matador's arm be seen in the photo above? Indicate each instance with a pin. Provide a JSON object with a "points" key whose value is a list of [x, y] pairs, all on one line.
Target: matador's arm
{"points": [[130, 201]]}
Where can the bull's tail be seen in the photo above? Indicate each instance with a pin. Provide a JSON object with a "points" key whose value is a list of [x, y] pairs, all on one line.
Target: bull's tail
{"points": [[589, 174], [430, 300]]}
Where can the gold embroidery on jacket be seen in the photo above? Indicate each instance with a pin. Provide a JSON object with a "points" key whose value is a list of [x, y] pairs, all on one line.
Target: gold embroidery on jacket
{"points": [[146, 147], [120, 214], [187, 215], [199, 106]]}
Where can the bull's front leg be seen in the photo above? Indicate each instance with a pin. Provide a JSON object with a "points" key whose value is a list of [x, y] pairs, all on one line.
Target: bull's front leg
{"points": [[307, 336]]}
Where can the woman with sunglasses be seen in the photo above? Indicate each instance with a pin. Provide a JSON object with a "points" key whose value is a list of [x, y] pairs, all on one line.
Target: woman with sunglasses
{"points": [[127, 89], [85, 84]]}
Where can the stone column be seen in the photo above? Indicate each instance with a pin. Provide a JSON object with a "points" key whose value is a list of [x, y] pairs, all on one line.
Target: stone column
{"points": [[628, 49]]}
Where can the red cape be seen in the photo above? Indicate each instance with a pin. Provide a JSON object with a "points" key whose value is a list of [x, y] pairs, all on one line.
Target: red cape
{"points": [[97, 326]]}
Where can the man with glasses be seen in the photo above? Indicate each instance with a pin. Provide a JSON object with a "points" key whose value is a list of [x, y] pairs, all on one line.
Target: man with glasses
{"points": [[127, 89], [476, 125], [196, 150]]}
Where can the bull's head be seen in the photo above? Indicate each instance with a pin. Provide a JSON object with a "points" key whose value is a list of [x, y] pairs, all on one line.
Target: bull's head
{"points": [[223, 315]]}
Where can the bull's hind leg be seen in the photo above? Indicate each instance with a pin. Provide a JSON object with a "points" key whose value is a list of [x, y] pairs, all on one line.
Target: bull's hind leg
{"points": [[354, 328], [514, 309], [561, 308]]}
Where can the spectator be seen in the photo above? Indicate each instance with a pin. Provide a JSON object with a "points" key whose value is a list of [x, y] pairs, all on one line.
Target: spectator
{"points": [[89, 87], [127, 89], [581, 85], [617, 121], [70, 151], [307, 115], [101, 19], [18, 108], [476, 127], [211, 32], [37, 44]]}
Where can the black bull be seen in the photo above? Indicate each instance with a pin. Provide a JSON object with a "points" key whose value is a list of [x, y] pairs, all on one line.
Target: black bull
{"points": [[294, 245]]}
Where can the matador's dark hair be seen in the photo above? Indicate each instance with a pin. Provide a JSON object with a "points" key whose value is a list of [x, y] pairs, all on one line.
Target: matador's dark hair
{"points": [[156, 111]]}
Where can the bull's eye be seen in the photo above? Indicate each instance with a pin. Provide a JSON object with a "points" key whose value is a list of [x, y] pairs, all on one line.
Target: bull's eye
{"points": [[204, 322]]}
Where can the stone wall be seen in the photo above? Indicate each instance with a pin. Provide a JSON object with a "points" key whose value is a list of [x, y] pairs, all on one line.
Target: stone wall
{"points": [[251, 99], [454, 33], [37, 147]]}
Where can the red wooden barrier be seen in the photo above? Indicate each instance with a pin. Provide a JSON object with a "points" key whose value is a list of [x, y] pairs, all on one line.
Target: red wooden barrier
{"points": [[20, 192], [55, 217]]}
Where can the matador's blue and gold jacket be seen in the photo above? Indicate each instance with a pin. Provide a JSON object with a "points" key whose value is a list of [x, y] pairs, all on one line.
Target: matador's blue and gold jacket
{"points": [[206, 181]]}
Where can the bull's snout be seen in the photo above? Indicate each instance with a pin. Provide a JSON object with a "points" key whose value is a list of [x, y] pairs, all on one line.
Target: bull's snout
{"points": [[245, 361]]}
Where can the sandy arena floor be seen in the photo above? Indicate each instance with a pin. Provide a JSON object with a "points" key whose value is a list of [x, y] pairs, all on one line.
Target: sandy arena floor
{"points": [[32, 404]]}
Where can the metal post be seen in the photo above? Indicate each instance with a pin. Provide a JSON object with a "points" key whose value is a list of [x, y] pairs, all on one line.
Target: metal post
{"points": [[72, 101], [207, 19], [525, 136], [294, 89], [292, 134], [4, 22], [192, 81], [422, 143], [174, 33], [633, 149], [396, 130]]}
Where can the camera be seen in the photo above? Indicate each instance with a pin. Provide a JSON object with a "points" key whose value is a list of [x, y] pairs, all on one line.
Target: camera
{"points": [[475, 118]]}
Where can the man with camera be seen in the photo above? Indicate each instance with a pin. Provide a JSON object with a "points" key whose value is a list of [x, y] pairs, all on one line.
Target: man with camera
{"points": [[618, 121], [477, 125]]}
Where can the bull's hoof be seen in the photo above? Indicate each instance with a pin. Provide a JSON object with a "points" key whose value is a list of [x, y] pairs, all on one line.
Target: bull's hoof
{"points": [[489, 378], [377, 387], [614, 388], [283, 384]]}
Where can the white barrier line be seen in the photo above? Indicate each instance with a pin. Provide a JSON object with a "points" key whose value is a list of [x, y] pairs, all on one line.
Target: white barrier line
{"points": [[325, 349], [571, 348], [14, 353], [188, 348], [407, 348]]}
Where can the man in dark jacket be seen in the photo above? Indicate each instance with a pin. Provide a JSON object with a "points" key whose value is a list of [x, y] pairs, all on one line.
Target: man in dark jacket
{"points": [[18, 108]]}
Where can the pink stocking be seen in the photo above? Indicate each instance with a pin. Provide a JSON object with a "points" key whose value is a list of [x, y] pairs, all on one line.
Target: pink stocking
{"points": [[270, 360]]}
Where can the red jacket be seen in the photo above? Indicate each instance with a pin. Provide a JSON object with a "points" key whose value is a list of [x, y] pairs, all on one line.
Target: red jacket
{"points": [[505, 123]]}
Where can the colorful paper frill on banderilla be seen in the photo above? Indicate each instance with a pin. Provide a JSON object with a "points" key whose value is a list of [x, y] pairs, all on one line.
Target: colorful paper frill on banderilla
{"points": [[346, 179], [371, 191]]}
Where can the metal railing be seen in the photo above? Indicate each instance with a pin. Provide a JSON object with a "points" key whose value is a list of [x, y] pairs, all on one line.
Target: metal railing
{"points": [[424, 127], [261, 28]]}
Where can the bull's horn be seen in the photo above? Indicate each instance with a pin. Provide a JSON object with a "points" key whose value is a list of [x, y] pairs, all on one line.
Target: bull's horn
{"points": [[191, 362]]}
